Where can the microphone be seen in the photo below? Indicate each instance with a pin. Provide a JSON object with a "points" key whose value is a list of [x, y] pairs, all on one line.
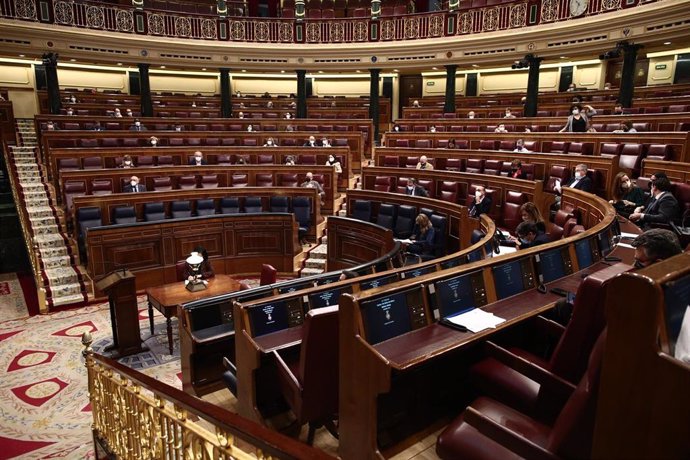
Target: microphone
{"points": [[540, 277]]}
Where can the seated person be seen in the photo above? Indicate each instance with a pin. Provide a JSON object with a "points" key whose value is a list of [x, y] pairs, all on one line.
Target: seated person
{"points": [[481, 203], [422, 237], [205, 271], [311, 142], [117, 113], [97, 127], [579, 181], [333, 161], [129, 112], [325, 142], [415, 103], [520, 147], [134, 186], [529, 236], [432, 129], [289, 160], [50, 126], [250, 128], [70, 111], [396, 128], [509, 113], [501, 128], [137, 126], [240, 115], [451, 144], [424, 163], [270, 143], [625, 127], [516, 170], [626, 195], [662, 207], [471, 114], [529, 212], [197, 160], [153, 140], [127, 162], [311, 183], [414, 189]]}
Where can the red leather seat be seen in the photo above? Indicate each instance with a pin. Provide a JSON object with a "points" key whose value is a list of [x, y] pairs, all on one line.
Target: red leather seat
{"points": [[164, 160], [68, 164], [224, 160], [268, 274], [162, 184], [487, 144], [557, 229], [383, 183], [187, 182], [310, 383], [580, 148], [507, 145], [492, 167], [559, 147], [631, 159], [659, 152], [511, 209], [239, 180], [209, 181], [428, 185], [453, 164], [474, 165], [557, 173], [390, 161], [101, 186], [144, 161], [423, 143], [73, 188], [488, 429], [411, 162], [306, 159], [401, 143], [609, 149], [288, 180], [264, 180], [682, 193]]}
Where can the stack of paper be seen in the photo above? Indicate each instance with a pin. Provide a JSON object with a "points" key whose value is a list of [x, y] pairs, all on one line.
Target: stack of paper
{"points": [[476, 320]]}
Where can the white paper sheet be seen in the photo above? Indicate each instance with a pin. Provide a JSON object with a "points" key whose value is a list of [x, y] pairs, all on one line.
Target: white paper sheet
{"points": [[476, 320]]}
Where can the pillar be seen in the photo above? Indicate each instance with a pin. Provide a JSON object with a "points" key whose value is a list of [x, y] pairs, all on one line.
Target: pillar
{"points": [[625, 95], [530, 109], [50, 64], [301, 94], [449, 106], [145, 88], [374, 102], [225, 94]]}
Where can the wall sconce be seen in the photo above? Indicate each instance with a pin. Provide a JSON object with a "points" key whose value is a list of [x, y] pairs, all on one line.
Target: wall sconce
{"points": [[375, 9], [222, 9], [138, 4], [299, 10], [453, 5]]}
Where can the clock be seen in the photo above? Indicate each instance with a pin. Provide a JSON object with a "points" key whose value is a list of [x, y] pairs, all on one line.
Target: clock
{"points": [[578, 7]]}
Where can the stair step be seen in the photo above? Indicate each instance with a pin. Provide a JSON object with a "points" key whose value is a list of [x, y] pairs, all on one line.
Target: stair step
{"points": [[315, 263], [68, 299], [310, 272]]}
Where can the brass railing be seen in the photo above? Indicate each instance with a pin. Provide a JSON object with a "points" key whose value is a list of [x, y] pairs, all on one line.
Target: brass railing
{"points": [[138, 417]]}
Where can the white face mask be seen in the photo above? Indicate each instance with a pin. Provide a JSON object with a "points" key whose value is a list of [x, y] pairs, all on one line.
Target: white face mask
{"points": [[269, 142], [128, 163], [137, 124], [178, 128], [478, 194], [433, 130], [578, 175], [197, 159], [154, 142], [249, 128], [134, 183], [471, 116], [576, 111], [397, 128]]}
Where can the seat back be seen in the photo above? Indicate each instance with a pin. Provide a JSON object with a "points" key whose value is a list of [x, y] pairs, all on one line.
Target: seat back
{"points": [[362, 210], [154, 211], [187, 182], [318, 364], [180, 209], [205, 207], [386, 215], [492, 167], [162, 184], [405, 221], [511, 209], [229, 205], [88, 216], [559, 147], [124, 215], [475, 165], [93, 163], [68, 164], [659, 152], [279, 204], [144, 160], [487, 145], [390, 161], [610, 149], [383, 184], [439, 223], [253, 204], [557, 173], [301, 207], [239, 180], [73, 188], [268, 274], [449, 191], [288, 180], [631, 159], [101, 186]]}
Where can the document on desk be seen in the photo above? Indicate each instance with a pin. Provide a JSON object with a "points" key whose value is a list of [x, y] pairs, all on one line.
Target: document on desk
{"points": [[476, 320], [628, 235], [405, 241]]}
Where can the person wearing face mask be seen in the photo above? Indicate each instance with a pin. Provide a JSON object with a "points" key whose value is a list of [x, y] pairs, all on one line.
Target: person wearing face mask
{"points": [[424, 163], [579, 181], [70, 112], [618, 109], [50, 126], [528, 236], [288, 116], [626, 196], [509, 113], [432, 129], [97, 127], [117, 113], [414, 189], [178, 128], [250, 128], [451, 144], [333, 161], [577, 122], [415, 104], [240, 115], [270, 143], [311, 183], [662, 207], [137, 126], [325, 142], [153, 140], [481, 203], [396, 128], [289, 160], [625, 127], [520, 147], [127, 162], [501, 128], [516, 171], [134, 186], [471, 114], [73, 99], [311, 142], [197, 160]]}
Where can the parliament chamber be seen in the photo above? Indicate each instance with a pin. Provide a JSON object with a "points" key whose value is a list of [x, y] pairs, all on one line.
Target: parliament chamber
{"points": [[346, 229]]}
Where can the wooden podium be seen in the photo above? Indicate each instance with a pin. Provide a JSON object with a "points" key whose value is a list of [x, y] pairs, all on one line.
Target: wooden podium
{"points": [[124, 315]]}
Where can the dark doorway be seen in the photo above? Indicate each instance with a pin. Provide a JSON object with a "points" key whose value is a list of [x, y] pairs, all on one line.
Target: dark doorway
{"points": [[614, 69], [410, 89], [682, 74]]}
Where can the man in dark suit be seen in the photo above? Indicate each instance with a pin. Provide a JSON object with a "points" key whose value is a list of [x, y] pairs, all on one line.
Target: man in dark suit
{"points": [[580, 181], [481, 203], [197, 160], [529, 236], [137, 126], [134, 186], [414, 189], [311, 142], [662, 207]]}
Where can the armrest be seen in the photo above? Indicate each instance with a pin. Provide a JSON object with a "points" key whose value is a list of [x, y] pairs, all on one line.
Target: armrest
{"points": [[505, 437], [549, 381], [287, 381], [549, 327], [229, 365]]}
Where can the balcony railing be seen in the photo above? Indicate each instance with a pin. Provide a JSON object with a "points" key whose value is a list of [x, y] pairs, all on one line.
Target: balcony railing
{"points": [[117, 18]]}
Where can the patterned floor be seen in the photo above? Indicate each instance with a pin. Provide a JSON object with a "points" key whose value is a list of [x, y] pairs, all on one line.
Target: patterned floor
{"points": [[12, 303], [44, 406]]}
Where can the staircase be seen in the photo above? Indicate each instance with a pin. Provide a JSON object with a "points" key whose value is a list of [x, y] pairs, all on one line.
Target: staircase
{"points": [[60, 276], [316, 260]]}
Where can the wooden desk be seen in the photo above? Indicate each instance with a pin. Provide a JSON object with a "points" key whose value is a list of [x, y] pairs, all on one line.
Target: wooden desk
{"points": [[166, 298]]}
